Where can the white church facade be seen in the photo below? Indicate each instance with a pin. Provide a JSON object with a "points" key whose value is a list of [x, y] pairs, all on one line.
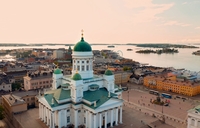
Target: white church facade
{"points": [[193, 120], [82, 100]]}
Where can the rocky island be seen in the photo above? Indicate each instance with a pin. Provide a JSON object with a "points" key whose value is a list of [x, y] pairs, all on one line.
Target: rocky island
{"points": [[164, 50], [166, 46]]}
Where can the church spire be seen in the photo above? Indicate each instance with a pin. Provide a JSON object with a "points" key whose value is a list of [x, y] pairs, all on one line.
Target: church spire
{"points": [[82, 38]]}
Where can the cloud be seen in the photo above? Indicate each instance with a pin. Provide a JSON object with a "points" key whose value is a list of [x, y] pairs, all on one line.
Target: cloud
{"points": [[197, 28], [176, 23], [148, 10], [184, 3]]}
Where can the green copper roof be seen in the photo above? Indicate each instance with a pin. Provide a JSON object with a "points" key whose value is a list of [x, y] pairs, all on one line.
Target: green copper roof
{"points": [[61, 94], [77, 76], [108, 73], [101, 96], [82, 46], [57, 71]]}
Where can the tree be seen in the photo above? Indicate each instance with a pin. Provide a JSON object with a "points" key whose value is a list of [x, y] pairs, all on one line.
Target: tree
{"points": [[1, 112], [15, 86]]}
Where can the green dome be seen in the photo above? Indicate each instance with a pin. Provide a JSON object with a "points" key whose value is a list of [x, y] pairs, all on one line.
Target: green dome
{"points": [[82, 46], [108, 73], [57, 71], [77, 76]]}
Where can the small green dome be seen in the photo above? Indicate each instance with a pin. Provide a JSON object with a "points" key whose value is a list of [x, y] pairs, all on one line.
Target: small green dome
{"points": [[82, 46], [77, 76], [108, 73], [57, 71]]}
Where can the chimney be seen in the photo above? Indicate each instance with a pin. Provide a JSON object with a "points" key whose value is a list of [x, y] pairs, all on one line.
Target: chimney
{"points": [[52, 101], [95, 103], [109, 94]]}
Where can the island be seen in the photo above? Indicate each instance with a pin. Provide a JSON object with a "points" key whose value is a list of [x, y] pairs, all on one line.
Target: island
{"points": [[166, 46], [196, 53], [164, 50]]}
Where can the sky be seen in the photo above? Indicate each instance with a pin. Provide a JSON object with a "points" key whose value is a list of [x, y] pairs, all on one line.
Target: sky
{"points": [[103, 21]]}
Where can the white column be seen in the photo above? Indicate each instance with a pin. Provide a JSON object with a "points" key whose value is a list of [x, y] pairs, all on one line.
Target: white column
{"points": [[105, 125], [116, 116], [50, 118], [120, 115], [59, 119], [75, 118], [95, 118], [42, 113], [39, 111], [111, 120], [86, 118], [100, 121], [47, 113], [44, 116], [53, 121], [90, 126]]}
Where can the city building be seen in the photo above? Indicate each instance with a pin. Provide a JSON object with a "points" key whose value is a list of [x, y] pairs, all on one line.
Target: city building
{"points": [[38, 80], [122, 77], [18, 102], [82, 99], [6, 82], [172, 83], [58, 53], [13, 104], [193, 120]]}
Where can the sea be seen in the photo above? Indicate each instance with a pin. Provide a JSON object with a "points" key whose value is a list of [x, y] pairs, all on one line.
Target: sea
{"points": [[182, 60]]}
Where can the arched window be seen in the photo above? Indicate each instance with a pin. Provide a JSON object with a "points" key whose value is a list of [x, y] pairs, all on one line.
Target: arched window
{"points": [[198, 124], [192, 122]]}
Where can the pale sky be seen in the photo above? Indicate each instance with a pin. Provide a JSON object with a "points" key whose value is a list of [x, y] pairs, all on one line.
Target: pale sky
{"points": [[103, 21]]}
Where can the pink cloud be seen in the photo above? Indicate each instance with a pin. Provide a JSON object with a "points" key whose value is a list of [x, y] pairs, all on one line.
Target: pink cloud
{"points": [[150, 10], [176, 23]]}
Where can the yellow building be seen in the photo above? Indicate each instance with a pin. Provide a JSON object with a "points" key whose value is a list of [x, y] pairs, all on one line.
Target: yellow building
{"points": [[13, 104], [172, 84], [122, 77]]}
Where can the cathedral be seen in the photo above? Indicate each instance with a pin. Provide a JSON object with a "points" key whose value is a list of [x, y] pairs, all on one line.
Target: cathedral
{"points": [[81, 100]]}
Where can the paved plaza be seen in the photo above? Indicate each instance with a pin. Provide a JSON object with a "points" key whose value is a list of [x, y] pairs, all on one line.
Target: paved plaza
{"points": [[30, 119]]}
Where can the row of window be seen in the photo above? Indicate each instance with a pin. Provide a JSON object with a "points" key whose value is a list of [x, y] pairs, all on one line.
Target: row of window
{"points": [[81, 61], [44, 82], [82, 68]]}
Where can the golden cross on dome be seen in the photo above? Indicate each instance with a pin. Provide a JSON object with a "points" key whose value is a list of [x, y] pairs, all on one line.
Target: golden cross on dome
{"points": [[82, 32]]}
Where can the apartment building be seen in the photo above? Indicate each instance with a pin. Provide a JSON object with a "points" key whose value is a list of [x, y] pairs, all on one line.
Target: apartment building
{"points": [[38, 80]]}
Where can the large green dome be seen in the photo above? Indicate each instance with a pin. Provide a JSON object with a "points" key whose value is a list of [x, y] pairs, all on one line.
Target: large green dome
{"points": [[77, 76], [82, 46], [108, 73], [57, 71]]}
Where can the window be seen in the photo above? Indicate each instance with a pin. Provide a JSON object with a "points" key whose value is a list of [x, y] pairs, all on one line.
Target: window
{"points": [[87, 61], [84, 120], [68, 119], [77, 61], [87, 68], [32, 98], [68, 110], [74, 67], [78, 68], [79, 111], [82, 61], [83, 68]]}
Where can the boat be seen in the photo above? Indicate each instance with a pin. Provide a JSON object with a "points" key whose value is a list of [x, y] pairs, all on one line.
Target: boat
{"points": [[111, 46], [129, 49]]}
